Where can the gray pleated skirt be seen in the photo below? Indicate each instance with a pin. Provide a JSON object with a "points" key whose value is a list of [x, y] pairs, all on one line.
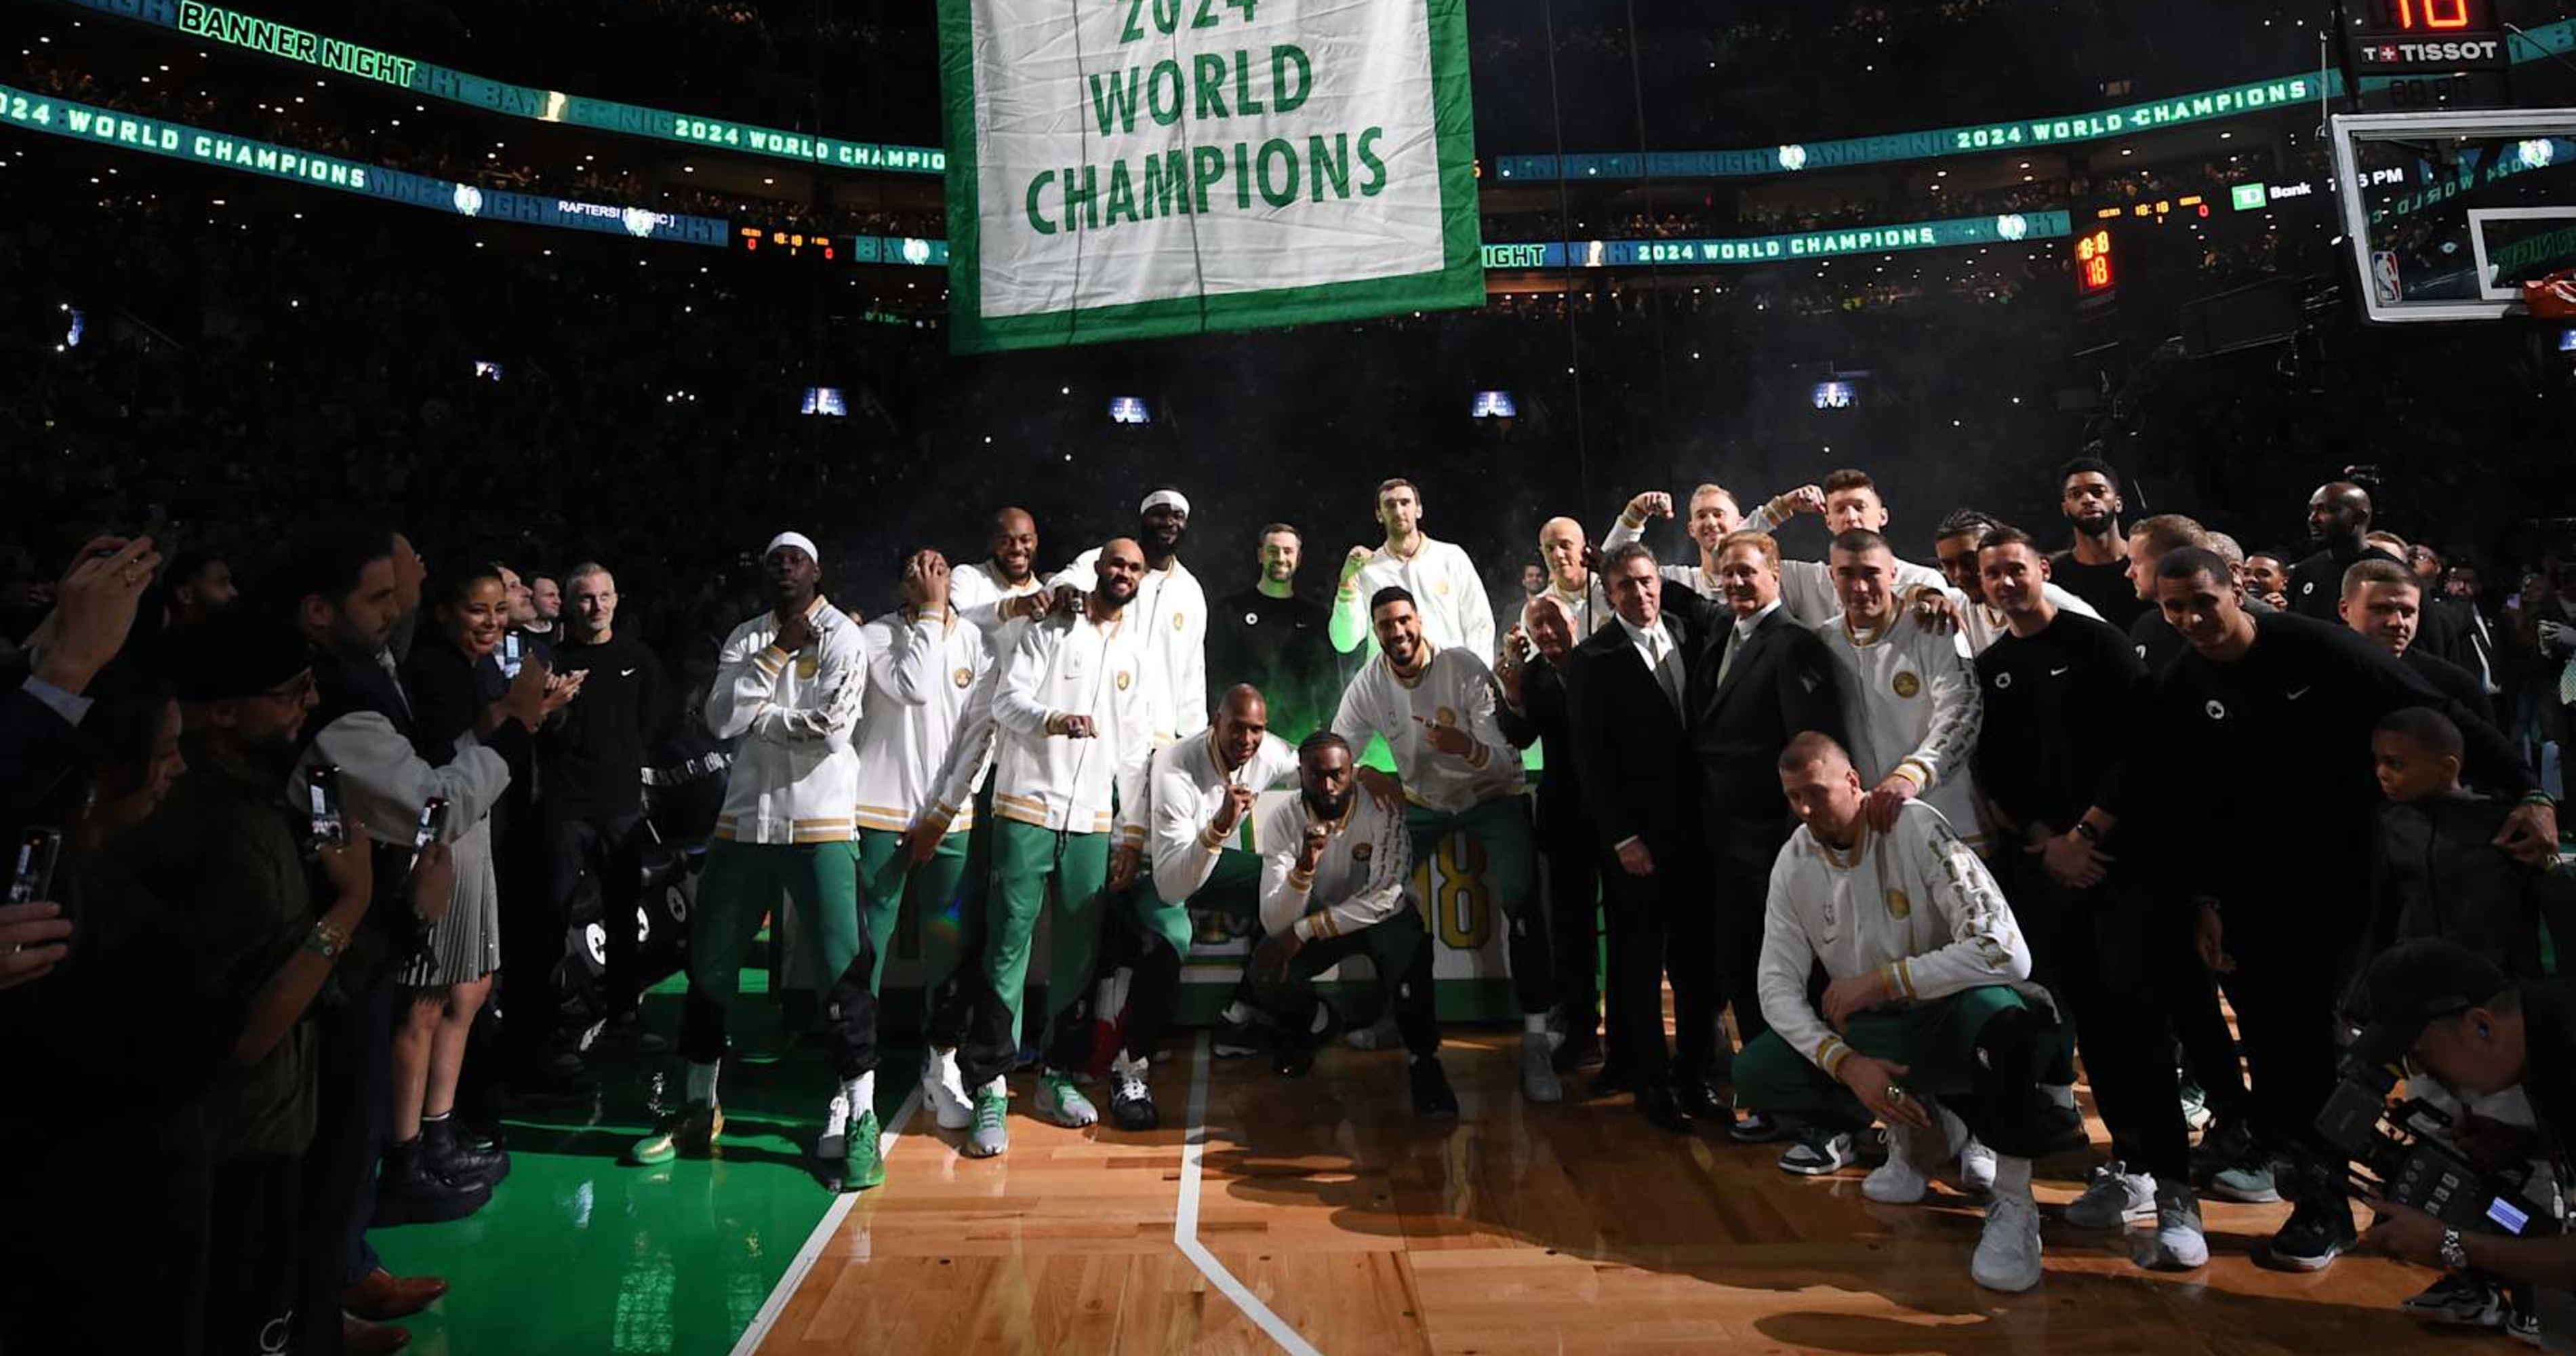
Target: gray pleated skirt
{"points": [[466, 944]]}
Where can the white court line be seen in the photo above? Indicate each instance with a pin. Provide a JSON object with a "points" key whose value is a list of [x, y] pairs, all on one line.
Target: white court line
{"points": [[830, 1224], [1185, 1221]]}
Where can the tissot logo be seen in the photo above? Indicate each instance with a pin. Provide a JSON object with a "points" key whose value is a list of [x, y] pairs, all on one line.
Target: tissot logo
{"points": [[2418, 53]]}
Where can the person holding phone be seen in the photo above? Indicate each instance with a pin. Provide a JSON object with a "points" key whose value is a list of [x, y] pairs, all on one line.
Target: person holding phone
{"points": [[432, 1172]]}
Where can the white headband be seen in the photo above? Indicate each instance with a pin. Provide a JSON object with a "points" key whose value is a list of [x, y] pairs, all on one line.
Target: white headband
{"points": [[796, 539], [1159, 498]]}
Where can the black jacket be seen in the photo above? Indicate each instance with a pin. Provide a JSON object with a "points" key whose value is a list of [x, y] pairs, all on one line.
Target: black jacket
{"points": [[1630, 745], [1781, 684], [1544, 719], [2435, 872]]}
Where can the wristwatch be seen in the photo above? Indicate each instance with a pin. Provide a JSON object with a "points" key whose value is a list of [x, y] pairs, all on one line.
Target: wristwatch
{"points": [[2455, 1253], [2084, 829]]}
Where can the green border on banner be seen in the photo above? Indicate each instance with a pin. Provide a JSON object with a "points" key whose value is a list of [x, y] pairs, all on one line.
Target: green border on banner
{"points": [[1459, 283]]}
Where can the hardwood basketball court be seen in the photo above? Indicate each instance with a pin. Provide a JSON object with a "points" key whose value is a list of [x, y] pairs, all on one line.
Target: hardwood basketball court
{"points": [[1350, 1226]]}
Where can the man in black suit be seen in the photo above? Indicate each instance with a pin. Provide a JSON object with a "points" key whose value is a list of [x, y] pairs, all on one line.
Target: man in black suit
{"points": [[1756, 684], [1627, 694], [1531, 670]]}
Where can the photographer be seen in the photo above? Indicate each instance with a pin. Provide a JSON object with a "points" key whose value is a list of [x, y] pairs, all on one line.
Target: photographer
{"points": [[2507, 1053]]}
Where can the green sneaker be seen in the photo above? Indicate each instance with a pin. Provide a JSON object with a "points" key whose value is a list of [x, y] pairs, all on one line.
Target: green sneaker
{"points": [[1063, 1103], [991, 1135], [866, 1165], [692, 1130]]}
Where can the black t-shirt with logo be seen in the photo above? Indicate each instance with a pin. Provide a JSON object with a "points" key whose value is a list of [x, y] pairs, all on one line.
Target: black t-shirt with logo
{"points": [[593, 753]]}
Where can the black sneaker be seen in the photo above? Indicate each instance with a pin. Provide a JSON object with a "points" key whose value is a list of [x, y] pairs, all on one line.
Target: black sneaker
{"points": [[2460, 1300], [1431, 1095], [1131, 1102], [2319, 1231], [409, 1192], [1755, 1128]]}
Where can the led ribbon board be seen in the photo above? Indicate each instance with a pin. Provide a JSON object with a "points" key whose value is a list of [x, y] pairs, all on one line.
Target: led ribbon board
{"points": [[177, 141], [2542, 43], [285, 42], [2008, 229], [1141, 168]]}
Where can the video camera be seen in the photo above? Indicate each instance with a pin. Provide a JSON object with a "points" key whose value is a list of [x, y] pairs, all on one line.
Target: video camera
{"points": [[2396, 1157]]}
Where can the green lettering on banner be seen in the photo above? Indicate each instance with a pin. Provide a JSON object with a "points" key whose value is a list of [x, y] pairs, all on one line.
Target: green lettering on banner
{"points": [[1167, 184], [1210, 70], [1214, 115], [1284, 192]]}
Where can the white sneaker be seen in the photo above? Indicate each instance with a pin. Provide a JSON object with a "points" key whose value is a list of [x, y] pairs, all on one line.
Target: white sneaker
{"points": [[834, 1143], [2008, 1251], [1976, 1168], [1063, 1103], [2180, 1244], [1539, 1082], [945, 1089], [2114, 1197], [1900, 1180]]}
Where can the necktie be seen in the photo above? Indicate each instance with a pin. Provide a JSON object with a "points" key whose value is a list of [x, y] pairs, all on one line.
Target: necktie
{"points": [[1734, 642], [1668, 671]]}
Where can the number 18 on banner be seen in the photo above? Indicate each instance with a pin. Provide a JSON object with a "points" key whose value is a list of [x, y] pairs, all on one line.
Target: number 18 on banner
{"points": [[1145, 168]]}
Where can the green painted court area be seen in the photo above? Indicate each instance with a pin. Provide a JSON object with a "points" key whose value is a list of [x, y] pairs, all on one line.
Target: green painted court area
{"points": [[581, 1251]]}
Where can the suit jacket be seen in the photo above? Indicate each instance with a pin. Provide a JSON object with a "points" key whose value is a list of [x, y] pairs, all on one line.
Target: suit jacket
{"points": [[1631, 747], [1546, 719], [1782, 683]]}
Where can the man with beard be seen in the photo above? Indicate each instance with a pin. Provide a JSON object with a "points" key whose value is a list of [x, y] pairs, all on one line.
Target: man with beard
{"points": [[1767, 680], [1434, 706], [1848, 499], [790, 685], [2267, 576], [1273, 638], [1570, 580], [2062, 695], [1453, 611], [1169, 616], [1532, 670], [2338, 522], [1333, 887], [1009, 573], [346, 593], [2383, 602], [1928, 1022], [1075, 731], [1203, 794], [1981, 621], [2095, 566], [2268, 719]]}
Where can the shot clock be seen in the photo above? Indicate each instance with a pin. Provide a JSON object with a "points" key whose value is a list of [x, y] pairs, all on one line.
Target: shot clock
{"points": [[2402, 37]]}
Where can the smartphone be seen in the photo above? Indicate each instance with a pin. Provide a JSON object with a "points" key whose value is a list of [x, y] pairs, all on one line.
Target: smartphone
{"points": [[33, 877], [510, 660], [433, 823], [322, 797]]}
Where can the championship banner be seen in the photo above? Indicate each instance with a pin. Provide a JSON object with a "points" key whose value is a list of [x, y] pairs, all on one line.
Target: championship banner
{"points": [[1130, 169]]}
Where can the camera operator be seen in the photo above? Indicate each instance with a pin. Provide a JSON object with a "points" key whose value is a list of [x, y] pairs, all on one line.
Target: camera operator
{"points": [[2507, 1054]]}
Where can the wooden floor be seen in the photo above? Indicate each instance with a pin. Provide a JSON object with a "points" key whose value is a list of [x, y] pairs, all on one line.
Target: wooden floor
{"points": [[1518, 1228]]}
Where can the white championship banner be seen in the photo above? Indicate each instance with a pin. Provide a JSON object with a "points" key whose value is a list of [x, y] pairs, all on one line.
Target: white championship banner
{"points": [[1126, 169]]}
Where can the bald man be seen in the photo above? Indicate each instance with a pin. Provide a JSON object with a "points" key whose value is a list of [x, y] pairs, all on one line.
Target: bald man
{"points": [[2338, 523], [1570, 581]]}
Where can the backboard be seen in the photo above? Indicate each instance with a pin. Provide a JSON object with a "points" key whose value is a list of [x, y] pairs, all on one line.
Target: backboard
{"points": [[2448, 214]]}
